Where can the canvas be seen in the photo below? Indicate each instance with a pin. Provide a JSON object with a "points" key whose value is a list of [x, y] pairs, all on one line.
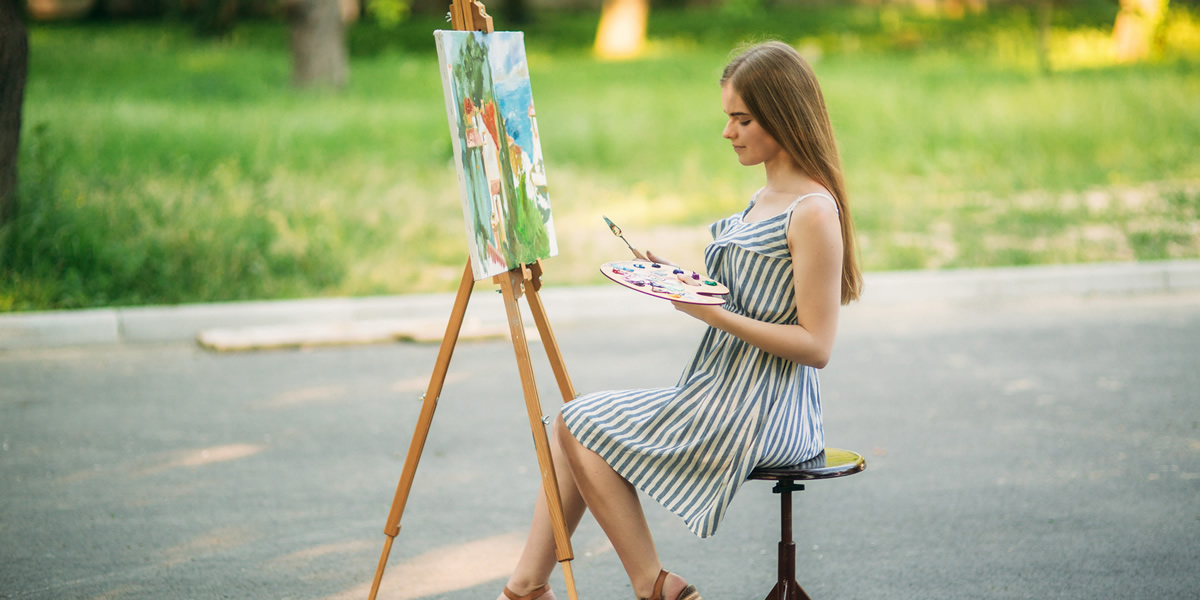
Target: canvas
{"points": [[493, 128]]}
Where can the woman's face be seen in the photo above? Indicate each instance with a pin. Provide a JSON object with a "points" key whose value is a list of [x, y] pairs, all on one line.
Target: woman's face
{"points": [[751, 142]]}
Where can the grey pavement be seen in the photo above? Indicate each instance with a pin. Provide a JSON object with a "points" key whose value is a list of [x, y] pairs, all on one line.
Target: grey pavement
{"points": [[1029, 434]]}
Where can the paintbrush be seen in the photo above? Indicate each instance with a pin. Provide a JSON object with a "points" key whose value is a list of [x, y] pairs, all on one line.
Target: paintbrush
{"points": [[617, 232]]}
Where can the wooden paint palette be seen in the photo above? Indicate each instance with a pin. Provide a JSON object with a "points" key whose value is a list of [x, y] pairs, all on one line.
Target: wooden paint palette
{"points": [[665, 281]]}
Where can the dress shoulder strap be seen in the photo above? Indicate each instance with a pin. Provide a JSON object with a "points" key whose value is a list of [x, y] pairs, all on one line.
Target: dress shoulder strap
{"points": [[754, 198], [820, 194], [752, 202]]}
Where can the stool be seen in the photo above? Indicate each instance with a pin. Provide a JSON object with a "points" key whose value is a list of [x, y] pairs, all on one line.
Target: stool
{"points": [[830, 463]]}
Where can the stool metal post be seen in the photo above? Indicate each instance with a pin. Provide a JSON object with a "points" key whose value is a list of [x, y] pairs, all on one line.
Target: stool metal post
{"points": [[787, 588]]}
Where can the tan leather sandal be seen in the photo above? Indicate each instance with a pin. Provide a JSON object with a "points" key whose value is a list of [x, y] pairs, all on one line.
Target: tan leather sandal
{"points": [[687, 593], [536, 593]]}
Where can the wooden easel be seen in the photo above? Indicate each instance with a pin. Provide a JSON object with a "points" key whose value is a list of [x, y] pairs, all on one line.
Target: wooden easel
{"points": [[468, 15]]}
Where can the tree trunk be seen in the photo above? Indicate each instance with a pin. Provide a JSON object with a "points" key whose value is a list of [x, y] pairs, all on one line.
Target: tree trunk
{"points": [[622, 30], [1045, 17], [318, 43], [1135, 28], [14, 62]]}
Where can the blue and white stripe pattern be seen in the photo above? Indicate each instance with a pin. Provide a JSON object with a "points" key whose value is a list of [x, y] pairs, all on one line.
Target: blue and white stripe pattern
{"points": [[735, 407]]}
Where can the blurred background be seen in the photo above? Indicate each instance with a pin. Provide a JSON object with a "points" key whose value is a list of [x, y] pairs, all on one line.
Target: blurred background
{"points": [[177, 151]]}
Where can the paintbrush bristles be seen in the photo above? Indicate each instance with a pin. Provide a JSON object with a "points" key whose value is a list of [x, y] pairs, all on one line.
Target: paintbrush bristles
{"points": [[613, 226], [617, 232]]}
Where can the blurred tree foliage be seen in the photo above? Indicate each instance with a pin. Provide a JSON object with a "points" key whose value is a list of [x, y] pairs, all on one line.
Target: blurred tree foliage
{"points": [[218, 16], [388, 13]]}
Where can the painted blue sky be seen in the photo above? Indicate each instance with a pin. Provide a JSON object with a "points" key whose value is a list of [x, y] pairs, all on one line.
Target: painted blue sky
{"points": [[510, 73], [510, 77]]}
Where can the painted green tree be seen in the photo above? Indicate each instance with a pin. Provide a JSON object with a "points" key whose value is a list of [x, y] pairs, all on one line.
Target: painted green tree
{"points": [[473, 81]]}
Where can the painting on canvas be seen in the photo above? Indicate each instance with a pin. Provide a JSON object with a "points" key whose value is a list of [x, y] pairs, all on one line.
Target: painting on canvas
{"points": [[494, 131]]}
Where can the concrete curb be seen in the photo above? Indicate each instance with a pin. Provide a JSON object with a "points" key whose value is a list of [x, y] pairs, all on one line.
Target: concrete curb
{"points": [[286, 323]]}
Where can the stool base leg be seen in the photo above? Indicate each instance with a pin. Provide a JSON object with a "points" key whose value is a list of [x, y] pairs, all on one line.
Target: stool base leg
{"points": [[787, 588]]}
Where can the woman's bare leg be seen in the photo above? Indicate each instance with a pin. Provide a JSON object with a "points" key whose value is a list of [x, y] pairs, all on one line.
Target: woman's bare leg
{"points": [[615, 505], [538, 558]]}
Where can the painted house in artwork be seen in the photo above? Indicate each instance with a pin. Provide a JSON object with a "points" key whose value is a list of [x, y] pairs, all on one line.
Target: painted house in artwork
{"points": [[497, 150]]}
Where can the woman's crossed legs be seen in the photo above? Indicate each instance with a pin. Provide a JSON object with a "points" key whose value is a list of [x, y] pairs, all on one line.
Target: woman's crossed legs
{"points": [[586, 481]]}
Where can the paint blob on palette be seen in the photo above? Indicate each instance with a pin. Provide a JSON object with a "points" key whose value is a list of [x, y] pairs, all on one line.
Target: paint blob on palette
{"points": [[665, 281]]}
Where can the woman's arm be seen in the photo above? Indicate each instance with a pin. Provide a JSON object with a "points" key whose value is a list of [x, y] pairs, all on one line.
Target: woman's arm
{"points": [[815, 239]]}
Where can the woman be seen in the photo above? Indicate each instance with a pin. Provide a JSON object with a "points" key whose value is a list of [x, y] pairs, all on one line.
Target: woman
{"points": [[750, 396]]}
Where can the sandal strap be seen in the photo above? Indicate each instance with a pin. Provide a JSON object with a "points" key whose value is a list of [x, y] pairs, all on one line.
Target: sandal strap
{"points": [[658, 586], [536, 593]]}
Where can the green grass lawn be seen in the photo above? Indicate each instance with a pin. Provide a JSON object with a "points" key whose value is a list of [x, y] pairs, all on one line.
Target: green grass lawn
{"points": [[160, 168]]}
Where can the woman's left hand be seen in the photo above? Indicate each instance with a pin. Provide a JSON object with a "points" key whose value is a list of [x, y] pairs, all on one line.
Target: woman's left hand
{"points": [[705, 312]]}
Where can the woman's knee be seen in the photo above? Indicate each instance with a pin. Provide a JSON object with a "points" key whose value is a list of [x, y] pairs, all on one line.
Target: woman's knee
{"points": [[562, 435]]}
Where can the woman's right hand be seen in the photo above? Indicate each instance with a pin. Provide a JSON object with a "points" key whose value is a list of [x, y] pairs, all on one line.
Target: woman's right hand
{"points": [[652, 257]]}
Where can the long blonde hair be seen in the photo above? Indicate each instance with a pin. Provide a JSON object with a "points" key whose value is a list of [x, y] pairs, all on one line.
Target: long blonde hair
{"points": [[781, 91]]}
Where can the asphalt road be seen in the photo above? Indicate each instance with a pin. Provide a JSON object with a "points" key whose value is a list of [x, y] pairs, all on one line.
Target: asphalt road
{"points": [[1042, 448]]}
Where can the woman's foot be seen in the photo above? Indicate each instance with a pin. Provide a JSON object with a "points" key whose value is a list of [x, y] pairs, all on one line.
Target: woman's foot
{"points": [[542, 592], [670, 586]]}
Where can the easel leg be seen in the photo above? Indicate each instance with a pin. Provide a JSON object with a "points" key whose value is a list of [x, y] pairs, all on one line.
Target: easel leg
{"points": [[538, 310], [417, 446], [511, 284]]}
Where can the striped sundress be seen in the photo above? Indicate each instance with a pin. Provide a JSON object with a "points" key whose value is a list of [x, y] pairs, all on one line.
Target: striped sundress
{"points": [[735, 407]]}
